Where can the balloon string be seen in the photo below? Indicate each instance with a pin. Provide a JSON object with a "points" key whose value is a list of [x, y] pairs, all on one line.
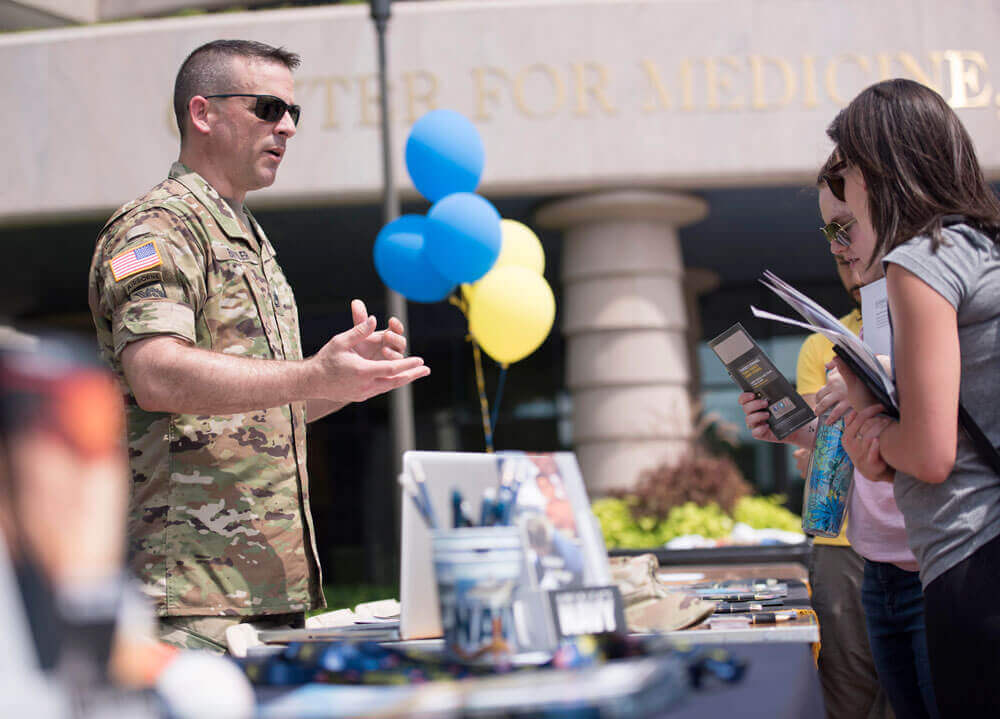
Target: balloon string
{"points": [[459, 303], [496, 400], [483, 405]]}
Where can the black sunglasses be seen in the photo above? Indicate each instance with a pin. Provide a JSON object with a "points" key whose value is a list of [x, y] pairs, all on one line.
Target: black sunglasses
{"points": [[836, 232], [835, 181], [268, 108]]}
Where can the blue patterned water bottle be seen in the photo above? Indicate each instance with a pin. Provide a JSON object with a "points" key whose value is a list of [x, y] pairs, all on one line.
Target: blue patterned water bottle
{"points": [[828, 482]]}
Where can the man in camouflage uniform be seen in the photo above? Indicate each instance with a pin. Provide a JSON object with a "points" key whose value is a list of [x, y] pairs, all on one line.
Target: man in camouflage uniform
{"points": [[199, 323]]}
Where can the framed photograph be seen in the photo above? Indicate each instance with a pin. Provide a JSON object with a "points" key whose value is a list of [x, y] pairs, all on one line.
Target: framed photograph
{"points": [[563, 545]]}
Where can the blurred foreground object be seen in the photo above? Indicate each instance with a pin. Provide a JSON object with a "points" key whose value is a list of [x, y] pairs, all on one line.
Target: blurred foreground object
{"points": [[63, 496]]}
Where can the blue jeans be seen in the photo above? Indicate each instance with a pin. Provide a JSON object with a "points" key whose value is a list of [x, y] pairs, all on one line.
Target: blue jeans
{"points": [[894, 615]]}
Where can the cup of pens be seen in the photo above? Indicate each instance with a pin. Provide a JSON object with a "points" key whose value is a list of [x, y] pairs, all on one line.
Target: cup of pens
{"points": [[478, 570]]}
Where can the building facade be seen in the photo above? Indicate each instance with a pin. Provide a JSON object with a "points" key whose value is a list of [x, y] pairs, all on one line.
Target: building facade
{"points": [[664, 150]]}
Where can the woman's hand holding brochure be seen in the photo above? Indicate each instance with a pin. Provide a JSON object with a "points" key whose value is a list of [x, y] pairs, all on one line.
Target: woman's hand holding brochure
{"points": [[756, 416]]}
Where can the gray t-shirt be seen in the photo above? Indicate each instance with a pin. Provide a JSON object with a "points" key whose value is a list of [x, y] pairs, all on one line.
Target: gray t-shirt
{"points": [[947, 522]]}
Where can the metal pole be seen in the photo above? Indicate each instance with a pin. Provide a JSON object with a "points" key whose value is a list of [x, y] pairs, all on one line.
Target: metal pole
{"points": [[400, 400]]}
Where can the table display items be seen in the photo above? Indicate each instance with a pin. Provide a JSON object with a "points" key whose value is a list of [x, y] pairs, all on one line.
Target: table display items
{"points": [[513, 552], [364, 662], [477, 570]]}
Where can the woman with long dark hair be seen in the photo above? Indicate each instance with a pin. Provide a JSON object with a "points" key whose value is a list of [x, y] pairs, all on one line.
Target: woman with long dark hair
{"points": [[909, 174]]}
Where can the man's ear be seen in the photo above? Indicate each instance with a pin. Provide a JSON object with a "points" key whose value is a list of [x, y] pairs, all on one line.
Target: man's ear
{"points": [[198, 114]]}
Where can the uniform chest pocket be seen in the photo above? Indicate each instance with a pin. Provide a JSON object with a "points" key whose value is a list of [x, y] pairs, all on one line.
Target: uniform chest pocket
{"points": [[285, 312], [237, 318]]}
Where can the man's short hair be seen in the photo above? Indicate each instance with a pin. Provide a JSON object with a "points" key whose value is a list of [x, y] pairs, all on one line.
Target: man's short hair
{"points": [[207, 70]]}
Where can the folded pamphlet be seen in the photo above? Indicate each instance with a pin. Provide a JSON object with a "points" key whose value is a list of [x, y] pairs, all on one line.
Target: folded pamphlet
{"points": [[852, 349]]}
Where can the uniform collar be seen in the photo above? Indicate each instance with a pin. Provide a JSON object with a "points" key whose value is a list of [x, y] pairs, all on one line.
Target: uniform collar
{"points": [[220, 210]]}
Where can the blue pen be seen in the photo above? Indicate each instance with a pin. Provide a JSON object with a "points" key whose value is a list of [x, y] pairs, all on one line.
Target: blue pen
{"points": [[421, 481], [487, 512], [508, 510], [507, 493], [459, 510], [410, 488]]}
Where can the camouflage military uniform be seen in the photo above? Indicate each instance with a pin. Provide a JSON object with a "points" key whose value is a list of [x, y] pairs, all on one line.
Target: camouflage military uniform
{"points": [[219, 522]]}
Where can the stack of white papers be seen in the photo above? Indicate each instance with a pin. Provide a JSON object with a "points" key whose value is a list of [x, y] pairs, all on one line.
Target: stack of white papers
{"points": [[818, 319]]}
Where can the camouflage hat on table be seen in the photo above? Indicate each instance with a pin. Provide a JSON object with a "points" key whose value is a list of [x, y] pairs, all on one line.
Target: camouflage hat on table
{"points": [[649, 606]]}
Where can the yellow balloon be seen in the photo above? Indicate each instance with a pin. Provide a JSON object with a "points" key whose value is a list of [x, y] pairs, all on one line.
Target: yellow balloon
{"points": [[512, 313], [520, 246]]}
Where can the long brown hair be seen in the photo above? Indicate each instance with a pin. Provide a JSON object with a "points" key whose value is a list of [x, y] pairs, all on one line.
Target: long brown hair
{"points": [[917, 160]]}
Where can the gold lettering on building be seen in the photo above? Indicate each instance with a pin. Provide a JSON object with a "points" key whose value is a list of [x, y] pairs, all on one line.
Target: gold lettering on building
{"points": [[707, 84], [759, 99], [552, 84], [659, 97], [717, 81], [832, 69], [596, 87], [331, 84], [884, 66], [419, 101], [964, 68], [810, 94], [687, 84], [912, 69], [486, 93], [368, 97]]}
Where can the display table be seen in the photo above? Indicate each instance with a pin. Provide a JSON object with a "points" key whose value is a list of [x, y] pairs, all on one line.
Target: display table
{"points": [[780, 683], [803, 629], [780, 679]]}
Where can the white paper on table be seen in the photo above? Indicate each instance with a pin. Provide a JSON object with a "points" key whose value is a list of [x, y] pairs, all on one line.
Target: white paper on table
{"points": [[875, 315]]}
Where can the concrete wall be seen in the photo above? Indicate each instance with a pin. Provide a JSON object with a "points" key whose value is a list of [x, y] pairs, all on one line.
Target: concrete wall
{"points": [[51, 13], [67, 10], [568, 94]]}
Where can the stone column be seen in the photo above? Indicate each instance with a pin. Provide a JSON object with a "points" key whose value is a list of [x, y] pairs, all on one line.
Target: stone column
{"points": [[625, 321]]}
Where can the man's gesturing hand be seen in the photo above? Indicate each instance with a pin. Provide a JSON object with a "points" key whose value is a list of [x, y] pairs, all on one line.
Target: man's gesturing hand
{"points": [[384, 344], [361, 363]]}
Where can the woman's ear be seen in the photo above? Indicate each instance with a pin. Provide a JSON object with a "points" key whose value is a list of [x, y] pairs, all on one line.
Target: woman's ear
{"points": [[860, 177]]}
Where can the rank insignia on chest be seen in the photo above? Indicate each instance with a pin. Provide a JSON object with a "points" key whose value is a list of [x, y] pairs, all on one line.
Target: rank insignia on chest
{"points": [[134, 260]]}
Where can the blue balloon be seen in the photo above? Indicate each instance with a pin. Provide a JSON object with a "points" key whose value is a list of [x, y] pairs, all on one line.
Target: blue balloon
{"points": [[463, 236], [402, 264], [444, 154]]}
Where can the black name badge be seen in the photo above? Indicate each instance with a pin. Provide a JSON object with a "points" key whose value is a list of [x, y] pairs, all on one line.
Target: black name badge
{"points": [[591, 610]]}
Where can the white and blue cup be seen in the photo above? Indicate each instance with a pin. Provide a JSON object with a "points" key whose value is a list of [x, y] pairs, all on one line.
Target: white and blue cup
{"points": [[478, 572]]}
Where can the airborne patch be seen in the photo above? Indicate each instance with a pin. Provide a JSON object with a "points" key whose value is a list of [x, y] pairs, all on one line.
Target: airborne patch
{"points": [[144, 257], [146, 278]]}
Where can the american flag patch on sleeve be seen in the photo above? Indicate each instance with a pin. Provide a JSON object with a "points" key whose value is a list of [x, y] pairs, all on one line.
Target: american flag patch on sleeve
{"points": [[135, 260]]}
